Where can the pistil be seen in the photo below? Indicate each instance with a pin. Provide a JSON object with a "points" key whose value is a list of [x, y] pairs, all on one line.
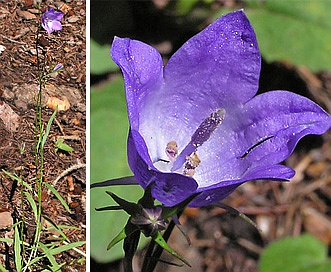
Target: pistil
{"points": [[201, 135]]}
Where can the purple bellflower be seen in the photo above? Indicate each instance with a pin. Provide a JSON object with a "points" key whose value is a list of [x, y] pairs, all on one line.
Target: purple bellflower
{"points": [[50, 21], [195, 125], [57, 67]]}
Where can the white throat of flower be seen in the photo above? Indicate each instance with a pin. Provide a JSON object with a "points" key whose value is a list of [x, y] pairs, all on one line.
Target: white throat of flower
{"points": [[188, 160]]}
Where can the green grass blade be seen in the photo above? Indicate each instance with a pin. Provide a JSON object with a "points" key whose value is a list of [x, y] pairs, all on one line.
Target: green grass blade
{"points": [[17, 249], [6, 240], [48, 129], [67, 247], [11, 241], [15, 177], [36, 259], [59, 197], [32, 204], [65, 227], [47, 251], [54, 226]]}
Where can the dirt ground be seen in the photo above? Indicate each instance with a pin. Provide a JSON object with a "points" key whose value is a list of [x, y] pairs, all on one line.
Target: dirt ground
{"points": [[19, 21]]}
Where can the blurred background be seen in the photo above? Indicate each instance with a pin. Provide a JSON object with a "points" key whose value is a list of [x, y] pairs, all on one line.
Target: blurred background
{"points": [[295, 42]]}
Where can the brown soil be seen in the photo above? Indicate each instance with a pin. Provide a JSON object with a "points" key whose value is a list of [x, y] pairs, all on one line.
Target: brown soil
{"points": [[19, 22]]}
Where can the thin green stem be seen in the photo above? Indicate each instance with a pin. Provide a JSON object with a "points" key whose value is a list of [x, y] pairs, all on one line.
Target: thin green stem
{"points": [[39, 151], [21, 227]]}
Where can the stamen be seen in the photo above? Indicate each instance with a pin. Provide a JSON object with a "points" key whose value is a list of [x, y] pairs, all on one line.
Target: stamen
{"points": [[201, 135], [172, 150], [190, 165]]}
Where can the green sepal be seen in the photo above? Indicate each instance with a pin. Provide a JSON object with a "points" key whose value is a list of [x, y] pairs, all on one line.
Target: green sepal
{"points": [[250, 221], [130, 207], [237, 213], [147, 201], [119, 237], [112, 182], [124, 233], [181, 228], [109, 208], [162, 243]]}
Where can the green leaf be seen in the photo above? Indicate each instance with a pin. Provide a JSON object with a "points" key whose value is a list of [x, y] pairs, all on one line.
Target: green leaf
{"points": [[33, 204], [49, 254], [58, 196], [295, 254], [294, 31], [101, 61], [15, 177], [298, 32], [17, 249], [184, 7], [48, 128], [57, 228], [61, 145], [109, 129], [2, 269], [10, 240], [66, 247]]}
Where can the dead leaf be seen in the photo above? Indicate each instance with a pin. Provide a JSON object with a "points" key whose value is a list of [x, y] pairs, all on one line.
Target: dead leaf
{"points": [[28, 3], [63, 7], [73, 19], [26, 15]]}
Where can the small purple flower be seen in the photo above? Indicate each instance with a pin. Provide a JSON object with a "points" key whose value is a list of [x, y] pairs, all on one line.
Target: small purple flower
{"points": [[57, 67], [50, 21], [195, 125]]}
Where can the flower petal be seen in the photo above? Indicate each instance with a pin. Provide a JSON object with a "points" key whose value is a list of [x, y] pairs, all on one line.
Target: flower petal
{"points": [[217, 68], [169, 188], [220, 63], [51, 20], [221, 190], [261, 133], [286, 118], [56, 25], [142, 68]]}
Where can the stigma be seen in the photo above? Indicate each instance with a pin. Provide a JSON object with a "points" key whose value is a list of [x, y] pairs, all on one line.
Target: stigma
{"points": [[201, 135]]}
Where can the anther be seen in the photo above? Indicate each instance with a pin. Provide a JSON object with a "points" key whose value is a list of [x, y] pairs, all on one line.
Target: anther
{"points": [[172, 150], [192, 162]]}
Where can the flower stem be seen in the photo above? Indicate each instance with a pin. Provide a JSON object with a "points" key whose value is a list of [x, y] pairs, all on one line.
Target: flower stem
{"points": [[39, 151], [130, 246]]}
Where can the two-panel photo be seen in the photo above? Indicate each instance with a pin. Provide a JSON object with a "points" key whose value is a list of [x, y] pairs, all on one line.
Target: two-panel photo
{"points": [[165, 136]]}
